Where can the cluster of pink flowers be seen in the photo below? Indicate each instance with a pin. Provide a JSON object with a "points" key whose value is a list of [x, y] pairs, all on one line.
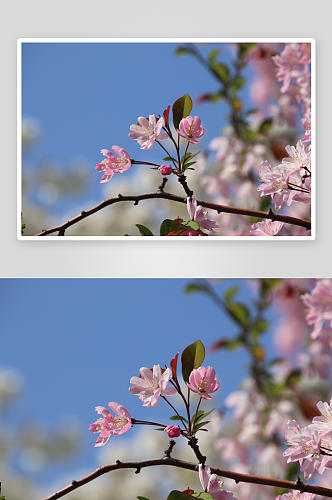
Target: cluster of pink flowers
{"points": [[311, 446], [150, 385], [294, 71], [319, 306], [289, 181], [146, 132]]}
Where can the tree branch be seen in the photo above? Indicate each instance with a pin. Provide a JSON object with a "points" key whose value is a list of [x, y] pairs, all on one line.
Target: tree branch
{"points": [[245, 478], [172, 197]]}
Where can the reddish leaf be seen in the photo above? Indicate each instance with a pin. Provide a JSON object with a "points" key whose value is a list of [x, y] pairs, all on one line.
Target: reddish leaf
{"points": [[218, 345], [166, 113], [174, 363]]}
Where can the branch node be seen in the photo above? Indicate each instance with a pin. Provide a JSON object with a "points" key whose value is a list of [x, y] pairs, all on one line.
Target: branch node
{"points": [[162, 185], [118, 462], [301, 485], [136, 202], [272, 214], [83, 212], [120, 195], [138, 470], [74, 482], [169, 449]]}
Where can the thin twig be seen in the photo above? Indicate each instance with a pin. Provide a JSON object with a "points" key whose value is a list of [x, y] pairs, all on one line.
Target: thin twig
{"points": [[245, 478], [172, 197]]}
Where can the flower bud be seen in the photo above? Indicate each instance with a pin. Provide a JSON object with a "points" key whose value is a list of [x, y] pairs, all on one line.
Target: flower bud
{"points": [[165, 169], [173, 431]]}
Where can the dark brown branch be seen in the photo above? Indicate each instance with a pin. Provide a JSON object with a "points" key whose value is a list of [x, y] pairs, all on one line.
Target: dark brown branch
{"points": [[245, 478], [172, 197]]}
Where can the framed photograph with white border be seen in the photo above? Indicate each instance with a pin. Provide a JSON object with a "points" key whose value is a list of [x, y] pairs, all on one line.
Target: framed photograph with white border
{"points": [[214, 137]]}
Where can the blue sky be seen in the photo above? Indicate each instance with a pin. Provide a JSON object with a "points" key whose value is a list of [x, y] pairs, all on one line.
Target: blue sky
{"points": [[77, 343], [85, 96]]}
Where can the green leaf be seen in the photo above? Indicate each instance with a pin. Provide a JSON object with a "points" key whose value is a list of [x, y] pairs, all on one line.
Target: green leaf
{"points": [[169, 158], [222, 71], [181, 109], [266, 125], [191, 223], [237, 83], [239, 312], [259, 327], [244, 48], [203, 415], [179, 495], [168, 226], [293, 378], [192, 287], [201, 424], [143, 230], [187, 165], [190, 157], [192, 358], [176, 417], [213, 55], [203, 496], [183, 50], [230, 293], [199, 414]]}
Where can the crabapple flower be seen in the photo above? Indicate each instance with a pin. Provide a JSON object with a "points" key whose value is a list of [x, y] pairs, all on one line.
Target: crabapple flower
{"points": [[296, 495], [319, 305], [266, 227], [306, 445], [165, 169], [146, 131], [212, 485], [203, 381], [283, 184], [198, 215], [191, 128], [325, 421], [306, 122], [173, 431], [109, 425], [112, 165], [151, 384]]}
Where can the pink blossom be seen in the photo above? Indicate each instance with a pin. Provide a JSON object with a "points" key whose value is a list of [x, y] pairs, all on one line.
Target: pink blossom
{"points": [[266, 227], [305, 448], [283, 184], [112, 165], [306, 122], [148, 131], [296, 495], [299, 156], [173, 431], [198, 215], [319, 305], [191, 128], [203, 381], [325, 421], [290, 63], [165, 169], [151, 384], [109, 425], [212, 485]]}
